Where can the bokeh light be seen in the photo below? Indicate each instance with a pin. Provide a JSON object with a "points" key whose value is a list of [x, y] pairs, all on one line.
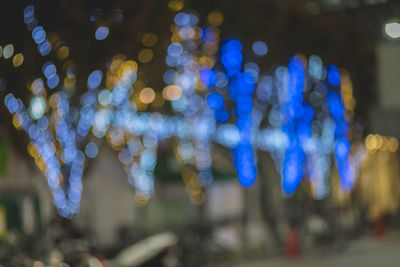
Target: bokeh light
{"points": [[172, 92], [63, 52], [44, 48], [215, 18], [101, 33], [37, 107], [260, 48], [149, 39], [145, 55], [175, 5], [147, 95], [94, 79], [8, 51], [38, 34], [392, 29], [18, 59], [91, 150]]}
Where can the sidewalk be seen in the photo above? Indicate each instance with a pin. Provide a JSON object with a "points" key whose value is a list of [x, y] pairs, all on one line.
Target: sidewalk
{"points": [[365, 252]]}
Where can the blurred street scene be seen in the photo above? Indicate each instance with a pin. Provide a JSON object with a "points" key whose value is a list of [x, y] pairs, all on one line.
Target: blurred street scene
{"points": [[199, 133]]}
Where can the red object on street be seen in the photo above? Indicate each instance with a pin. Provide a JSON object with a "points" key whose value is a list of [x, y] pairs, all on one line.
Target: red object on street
{"points": [[380, 228], [292, 244]]}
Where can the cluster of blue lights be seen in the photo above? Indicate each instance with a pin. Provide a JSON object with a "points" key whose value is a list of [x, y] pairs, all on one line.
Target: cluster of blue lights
{"points": [[50, 72], [305, 116], [38, 33], [241, 87], [194, 143], [296, 124], [342, 145], [216, 102], [67, 194]]}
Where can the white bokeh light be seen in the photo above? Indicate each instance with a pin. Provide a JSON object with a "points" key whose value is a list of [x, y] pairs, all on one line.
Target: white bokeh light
{"points": [[392, 29]]}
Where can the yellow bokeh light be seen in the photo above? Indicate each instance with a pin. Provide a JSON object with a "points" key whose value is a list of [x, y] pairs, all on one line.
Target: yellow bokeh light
{"points": [[379, 141], [61, 178], [141, 201], [63, 52], [17, 120], [69, 82], [175, 38], [193, 185], [175, 5], [346, 85], [127, 69], [215, 18], [392, 144], [206, 61], [33, 151], [188, 174], [350, 103], [149, 39], [119, 70], [197, 198], [147, 95], [18, 59], [54, 100], [145, 55], [54, 39], [119, 56], [131, 65], [40, 164], [172, 92], [371, 142]]}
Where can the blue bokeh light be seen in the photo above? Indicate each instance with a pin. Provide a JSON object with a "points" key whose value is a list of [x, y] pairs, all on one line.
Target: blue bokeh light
{"points": [[44, 48], [215, 101], [91, 150], [208, 77], [38, 34], [333, 75], [94, 79], [53, 81], [182, 19], [260, 48], [101, 33]]}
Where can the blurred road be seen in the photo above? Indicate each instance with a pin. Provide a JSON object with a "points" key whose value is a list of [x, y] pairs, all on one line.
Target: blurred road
{"points": [[365, 252]]}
